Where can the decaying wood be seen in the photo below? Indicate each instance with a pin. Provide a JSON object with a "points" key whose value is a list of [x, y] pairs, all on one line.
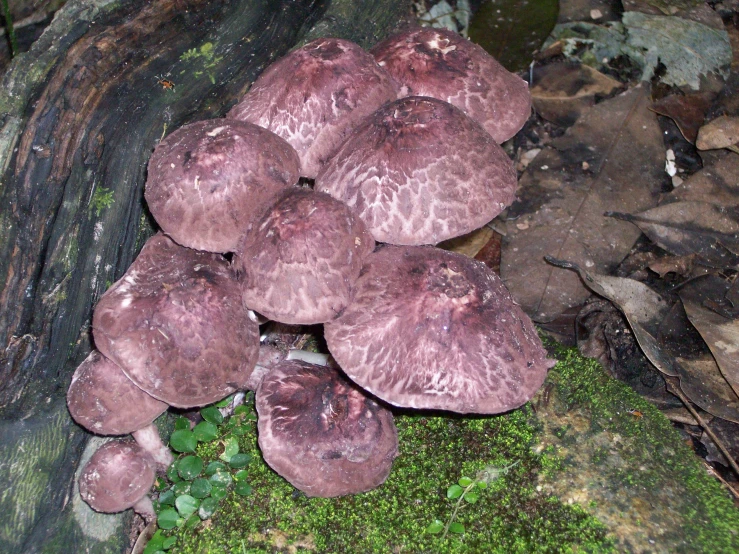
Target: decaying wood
{"points": [[80, 114]]}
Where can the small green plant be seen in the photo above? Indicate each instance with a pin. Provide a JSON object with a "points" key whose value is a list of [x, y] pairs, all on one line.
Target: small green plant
{"points": [[467, 490], [207, 57], [102, 198], [9, 29], [195, 483]]}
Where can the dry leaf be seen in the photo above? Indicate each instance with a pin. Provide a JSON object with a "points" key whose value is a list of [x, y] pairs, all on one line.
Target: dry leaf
{"points": [[722, 132], [718, 182], [563, 91], [710, 232], [678, 51], [560, 205], [693, 10], [728, 433], [490, 253], [469, 244], [646, 311], [720, 333], [683, 415], [682, 265], [702, 382], [687, 49], [688, 111]]}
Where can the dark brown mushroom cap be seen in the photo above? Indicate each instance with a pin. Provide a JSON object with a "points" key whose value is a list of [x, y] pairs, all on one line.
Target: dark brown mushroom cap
{"points": [[117, 476], [419, 171], [432, 329], [299, 261], [321, 433], [103, 400], [208, 179], [315, 96], [176, 325], [444, 65]]}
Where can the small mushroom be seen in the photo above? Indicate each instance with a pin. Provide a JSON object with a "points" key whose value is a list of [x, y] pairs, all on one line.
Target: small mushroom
{"points": [[433, 329], [315, 96], [442, 64], [419, 171], [208, 179], [103, 400], [298, 263], [117, 477], [176, 326], [321, 433]]}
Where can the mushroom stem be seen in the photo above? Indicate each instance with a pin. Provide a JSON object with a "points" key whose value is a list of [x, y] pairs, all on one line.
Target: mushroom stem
{"points": [[270, 356], [148, 438], [145, 508], [315, 358]]}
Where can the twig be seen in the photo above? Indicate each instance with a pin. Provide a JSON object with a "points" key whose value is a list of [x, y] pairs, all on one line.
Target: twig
{"points": [[675, 389], [715, 473]]}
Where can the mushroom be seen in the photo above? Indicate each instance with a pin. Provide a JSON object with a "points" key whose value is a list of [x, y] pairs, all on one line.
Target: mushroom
{"points": [[176, 326], [315, 96], [419, 171], [300, 259], [209, 179], [117, 477], [444, 65], [433, 329], [321, 433], [103, 400]]}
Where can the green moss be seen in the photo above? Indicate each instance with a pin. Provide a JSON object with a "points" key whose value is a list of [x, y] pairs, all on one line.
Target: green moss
{"points": [[206, 59], [102, 199], [591, 477], [511, 516], [623, 460]]}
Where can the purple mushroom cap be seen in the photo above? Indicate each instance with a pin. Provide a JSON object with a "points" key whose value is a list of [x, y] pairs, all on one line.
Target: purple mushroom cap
{"points": [[444, 65], [419, 171], [298, 263], [433, 329], [208, 179], [315, 96], [177, 327], [117, 477], [321, 433], [103, 400]]}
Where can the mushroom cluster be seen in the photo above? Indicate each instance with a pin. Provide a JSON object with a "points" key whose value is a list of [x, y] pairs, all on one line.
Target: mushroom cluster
{"points": [[402, 146]]}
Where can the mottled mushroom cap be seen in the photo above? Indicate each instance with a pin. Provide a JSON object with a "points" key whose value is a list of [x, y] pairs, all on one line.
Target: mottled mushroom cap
{"points": [[208, 179], [176, 325], [117, 476], [315, 96], [103, 400], [300, 259], [432, 329], [321, 433], [444, 65], [419, 171]]}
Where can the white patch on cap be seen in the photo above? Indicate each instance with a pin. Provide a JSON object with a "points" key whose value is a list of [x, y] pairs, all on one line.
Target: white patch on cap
{"points": [[435, 43], [215, 132]]}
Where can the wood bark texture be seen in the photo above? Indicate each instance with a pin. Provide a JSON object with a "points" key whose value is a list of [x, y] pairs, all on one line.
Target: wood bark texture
{"points": [[80, 114]]}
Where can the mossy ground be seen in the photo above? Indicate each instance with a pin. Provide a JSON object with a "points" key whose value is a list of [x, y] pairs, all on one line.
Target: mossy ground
{"points": [[549, 502], [616, 454]]}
